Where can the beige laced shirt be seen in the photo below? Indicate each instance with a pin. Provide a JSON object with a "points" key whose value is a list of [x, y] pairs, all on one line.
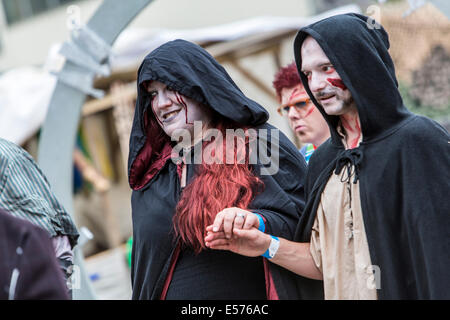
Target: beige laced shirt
{"points": [[339, 244]]}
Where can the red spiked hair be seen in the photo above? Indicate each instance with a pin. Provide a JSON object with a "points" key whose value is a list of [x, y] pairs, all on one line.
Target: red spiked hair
{"points": [[286, 77]]}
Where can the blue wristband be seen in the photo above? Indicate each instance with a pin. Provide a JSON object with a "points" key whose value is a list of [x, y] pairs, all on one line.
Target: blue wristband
{"points": [[262, 226], [270, 252]]}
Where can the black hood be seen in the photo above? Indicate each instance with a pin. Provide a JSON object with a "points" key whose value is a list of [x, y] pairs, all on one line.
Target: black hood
{"points": [[403, 165], [194, 73], [360, 56]]}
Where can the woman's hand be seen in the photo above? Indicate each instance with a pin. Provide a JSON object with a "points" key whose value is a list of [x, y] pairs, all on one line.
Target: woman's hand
{"points": [[230, 219], [247, 242]]}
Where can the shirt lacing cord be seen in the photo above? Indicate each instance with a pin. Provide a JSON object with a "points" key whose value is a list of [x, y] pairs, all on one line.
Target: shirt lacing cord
{"points": [[351, 159]]}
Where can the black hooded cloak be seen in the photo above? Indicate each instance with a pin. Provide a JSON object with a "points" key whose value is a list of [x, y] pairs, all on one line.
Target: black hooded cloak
{"points": [[403, 164], [28, 267], [191, 71]]}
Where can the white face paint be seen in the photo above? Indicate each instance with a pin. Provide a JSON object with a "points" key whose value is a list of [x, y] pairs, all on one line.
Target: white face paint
{"points": [[318, 69], [174, 111]]}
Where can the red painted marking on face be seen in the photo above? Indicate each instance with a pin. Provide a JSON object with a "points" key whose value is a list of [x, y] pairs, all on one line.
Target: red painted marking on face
{"points": [[337, 83], [309, 111], [295, 93], [183, 103]]}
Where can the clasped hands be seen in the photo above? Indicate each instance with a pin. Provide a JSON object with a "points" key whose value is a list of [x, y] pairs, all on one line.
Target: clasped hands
{"points": [[236, 230]]}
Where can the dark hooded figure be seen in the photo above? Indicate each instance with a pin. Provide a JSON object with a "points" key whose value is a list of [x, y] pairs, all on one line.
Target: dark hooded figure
{"points": [[402, 162], [377, 215], [28, 267], [183, 93]]}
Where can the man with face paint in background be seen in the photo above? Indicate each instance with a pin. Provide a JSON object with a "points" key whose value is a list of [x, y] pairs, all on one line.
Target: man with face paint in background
{"points": [[305, 119], [375, 225]]}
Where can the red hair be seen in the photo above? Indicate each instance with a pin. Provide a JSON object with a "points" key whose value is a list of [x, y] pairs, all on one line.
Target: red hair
{"points": [[216, 187], [286, 77]]}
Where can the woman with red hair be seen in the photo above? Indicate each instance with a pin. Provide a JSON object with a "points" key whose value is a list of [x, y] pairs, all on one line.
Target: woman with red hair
{"points": [[187, 102]]}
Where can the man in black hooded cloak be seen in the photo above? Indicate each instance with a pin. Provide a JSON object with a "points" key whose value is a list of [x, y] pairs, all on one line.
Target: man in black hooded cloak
{"points": [[376, 224]]}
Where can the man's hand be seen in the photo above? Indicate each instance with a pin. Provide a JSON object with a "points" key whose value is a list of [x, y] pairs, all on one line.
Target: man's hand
{"points": [[236, 230], [230, 219], [247, 242], [294, 256]]}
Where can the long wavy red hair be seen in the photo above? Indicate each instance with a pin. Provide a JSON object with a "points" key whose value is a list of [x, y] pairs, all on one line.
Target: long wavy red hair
{"points": [[216, 186]]}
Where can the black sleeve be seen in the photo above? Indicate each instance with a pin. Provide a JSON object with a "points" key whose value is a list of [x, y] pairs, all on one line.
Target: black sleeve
{"points": [[40, 277], [283, 199]]}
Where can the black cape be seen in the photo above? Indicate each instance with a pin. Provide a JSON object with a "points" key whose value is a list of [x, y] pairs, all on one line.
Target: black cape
{"points": [[190, 70], [28, 266], [404, 164]]}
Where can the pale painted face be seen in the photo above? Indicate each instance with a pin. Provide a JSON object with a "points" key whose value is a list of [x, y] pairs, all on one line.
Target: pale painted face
{"points": [[305, 119], [175, 111], [323, 80]]}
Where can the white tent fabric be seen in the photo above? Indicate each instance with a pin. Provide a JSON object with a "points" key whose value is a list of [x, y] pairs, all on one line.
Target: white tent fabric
{"points": [[25, 92], [133, 44], [24, 98]]}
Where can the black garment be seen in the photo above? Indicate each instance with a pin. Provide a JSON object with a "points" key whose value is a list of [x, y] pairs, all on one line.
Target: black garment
{"points": [[223, 275], [403, 164], [28, 267], [191, 71]]}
